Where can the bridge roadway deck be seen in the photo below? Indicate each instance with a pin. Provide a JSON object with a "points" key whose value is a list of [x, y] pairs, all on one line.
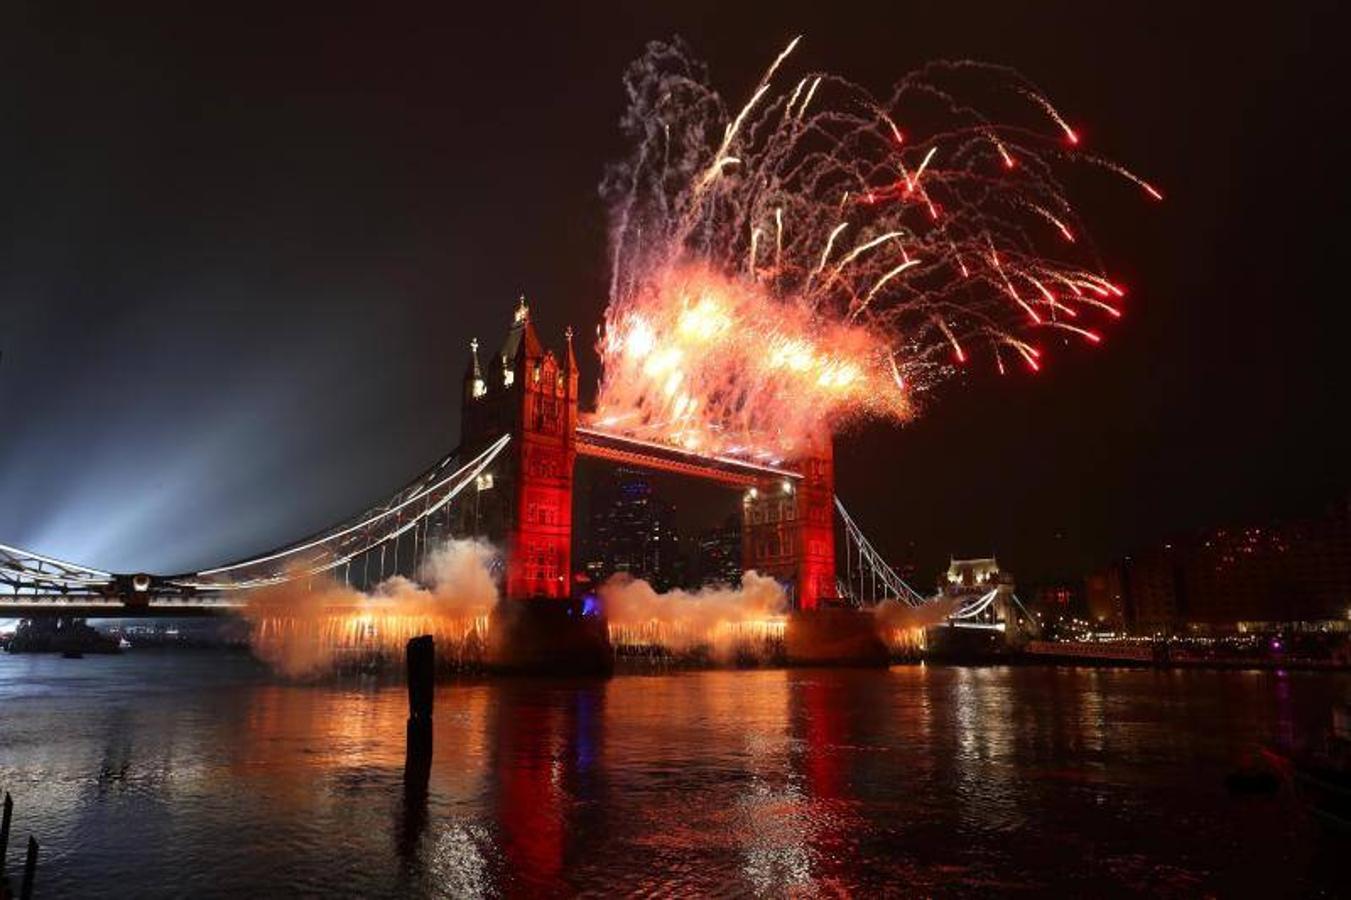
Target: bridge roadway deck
{"points": [[649, 455], [157, 608], [84, 608]]}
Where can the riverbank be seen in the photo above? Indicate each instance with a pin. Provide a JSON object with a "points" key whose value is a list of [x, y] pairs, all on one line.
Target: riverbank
{"points": [[1092, 653]]}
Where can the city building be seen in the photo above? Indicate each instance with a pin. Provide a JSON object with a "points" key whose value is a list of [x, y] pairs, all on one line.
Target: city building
{"points": [[1105, 597], [717, 553], [632, 529], [1059, 599], [1292, 573]]}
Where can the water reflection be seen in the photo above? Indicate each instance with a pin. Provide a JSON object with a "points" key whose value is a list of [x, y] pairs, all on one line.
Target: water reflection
{"points": [[546, 740], [821, 707], [198, 778]]}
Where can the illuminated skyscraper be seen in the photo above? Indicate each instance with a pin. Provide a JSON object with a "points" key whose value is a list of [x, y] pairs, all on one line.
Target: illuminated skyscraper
{"points": [[633, 530], [718, 554]]}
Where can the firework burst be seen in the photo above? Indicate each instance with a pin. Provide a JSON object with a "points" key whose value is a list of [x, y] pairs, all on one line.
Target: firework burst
{"points": [[819, 255]]}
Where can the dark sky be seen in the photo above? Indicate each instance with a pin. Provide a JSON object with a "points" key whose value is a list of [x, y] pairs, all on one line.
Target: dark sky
{"points": [[241, 254]]}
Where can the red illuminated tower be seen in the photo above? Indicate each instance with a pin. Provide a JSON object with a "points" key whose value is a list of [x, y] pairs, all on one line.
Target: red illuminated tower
{"points": [[816, 533], [524, 500]]}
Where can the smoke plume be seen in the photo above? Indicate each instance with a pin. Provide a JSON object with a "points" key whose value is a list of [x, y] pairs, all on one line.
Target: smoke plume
{"points": [[724, 619], [302, 627], [901, 626], [893, 615]]}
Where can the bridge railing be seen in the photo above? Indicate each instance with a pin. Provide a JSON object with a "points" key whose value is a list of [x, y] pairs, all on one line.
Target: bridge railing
{"points": [[376, 533], [27, 574]]}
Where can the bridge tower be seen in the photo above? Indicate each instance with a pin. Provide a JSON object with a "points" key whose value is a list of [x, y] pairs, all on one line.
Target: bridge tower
{"points": [[788, 530], [523, 502]]}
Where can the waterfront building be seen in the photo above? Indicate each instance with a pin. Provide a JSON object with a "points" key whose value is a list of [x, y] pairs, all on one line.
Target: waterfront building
{"points": [[1105, 597], [1058, 599], [1296, 573]]}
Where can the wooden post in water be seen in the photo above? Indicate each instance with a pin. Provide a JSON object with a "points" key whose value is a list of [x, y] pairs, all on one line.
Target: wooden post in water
{"points": [[30, 867], [4, 834], [421, 665]]}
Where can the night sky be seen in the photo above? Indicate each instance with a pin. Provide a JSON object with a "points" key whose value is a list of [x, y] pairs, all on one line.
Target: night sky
{"points": [[242, 254]]}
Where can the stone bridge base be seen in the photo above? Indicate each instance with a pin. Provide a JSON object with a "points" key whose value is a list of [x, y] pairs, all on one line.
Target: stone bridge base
{"points": [[834, 637], [547, 636]]}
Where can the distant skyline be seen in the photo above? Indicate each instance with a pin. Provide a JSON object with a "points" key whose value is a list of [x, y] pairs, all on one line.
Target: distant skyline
{"points": [[242, 256]]}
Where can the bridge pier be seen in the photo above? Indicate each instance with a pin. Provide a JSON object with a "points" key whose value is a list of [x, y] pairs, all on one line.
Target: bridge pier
{"points": [[547, 636], [788, 531], [834, 636]]}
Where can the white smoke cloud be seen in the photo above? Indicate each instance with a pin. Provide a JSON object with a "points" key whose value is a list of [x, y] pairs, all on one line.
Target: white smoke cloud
{"points": [[892, 614], [682, 620], [301, 626]]}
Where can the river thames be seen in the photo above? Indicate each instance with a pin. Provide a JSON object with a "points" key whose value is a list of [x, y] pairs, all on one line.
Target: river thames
{"points": [[163, 775]]}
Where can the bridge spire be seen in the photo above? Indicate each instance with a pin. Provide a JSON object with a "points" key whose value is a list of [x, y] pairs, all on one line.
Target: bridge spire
{"points": [[474, 375]]}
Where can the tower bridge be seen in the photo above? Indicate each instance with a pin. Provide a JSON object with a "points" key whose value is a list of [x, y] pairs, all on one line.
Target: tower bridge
{"points": [[530, 393], [510, 481]]}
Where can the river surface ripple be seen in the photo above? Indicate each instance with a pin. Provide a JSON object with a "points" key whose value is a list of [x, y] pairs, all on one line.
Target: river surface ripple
{"points": [[170, 775]]}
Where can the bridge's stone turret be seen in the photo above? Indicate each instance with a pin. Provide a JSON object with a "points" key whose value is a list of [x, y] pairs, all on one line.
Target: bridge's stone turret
{"points": [[788, 530], [523, 502]]}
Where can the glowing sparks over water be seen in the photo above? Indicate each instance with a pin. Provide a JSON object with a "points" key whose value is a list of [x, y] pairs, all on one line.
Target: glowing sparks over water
{"points": [[726, 622], [306, 626], [316, 642], [761, 638], [909, 235]]}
